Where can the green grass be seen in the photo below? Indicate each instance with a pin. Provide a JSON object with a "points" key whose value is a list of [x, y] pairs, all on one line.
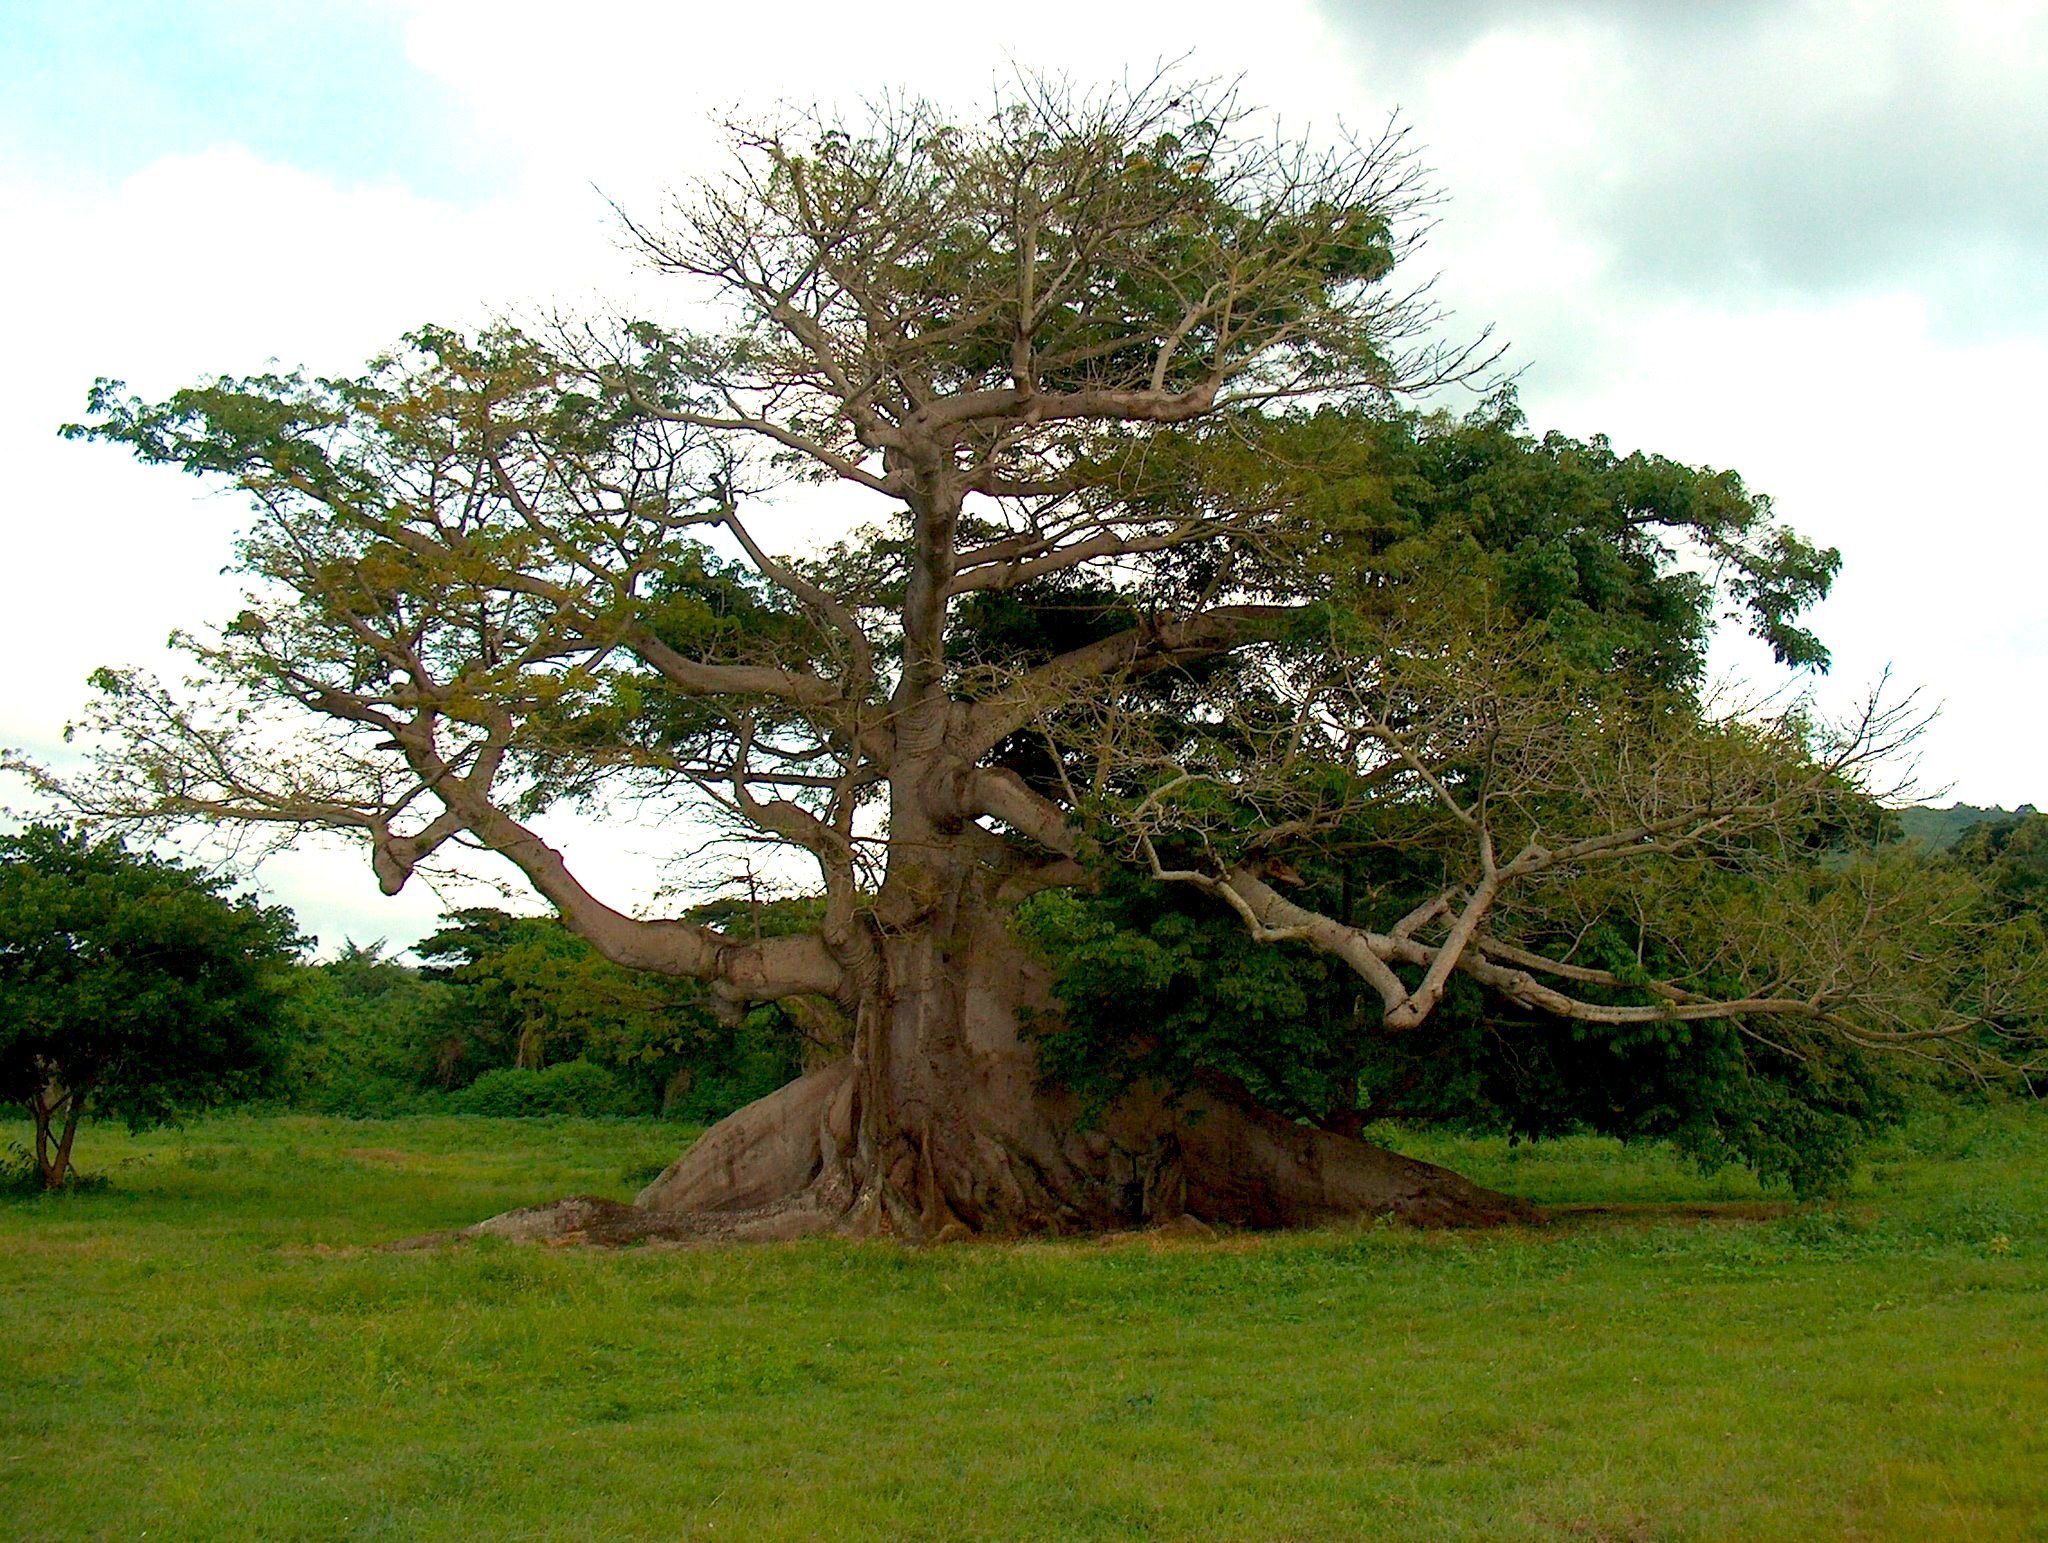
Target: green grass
{"points": [[207, 1348]]}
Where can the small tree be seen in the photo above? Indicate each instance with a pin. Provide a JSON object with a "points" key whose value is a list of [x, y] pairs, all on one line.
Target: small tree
{"points": [[131, 986]]}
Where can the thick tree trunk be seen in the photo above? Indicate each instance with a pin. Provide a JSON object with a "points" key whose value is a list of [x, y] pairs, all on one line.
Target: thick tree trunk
{"points": [[936, 1127]]}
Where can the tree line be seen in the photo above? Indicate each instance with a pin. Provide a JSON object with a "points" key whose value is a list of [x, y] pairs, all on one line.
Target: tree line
{"points": [[140, 989], [137, 989]]}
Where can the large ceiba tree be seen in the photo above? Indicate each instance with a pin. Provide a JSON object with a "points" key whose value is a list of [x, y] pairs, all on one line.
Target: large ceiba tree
{"points": [[1145, 577]]}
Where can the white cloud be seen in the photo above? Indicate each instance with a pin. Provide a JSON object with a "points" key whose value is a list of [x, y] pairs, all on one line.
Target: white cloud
{"points": [[1872, 434], [623, 88], [1875, 423], [200, 265]]}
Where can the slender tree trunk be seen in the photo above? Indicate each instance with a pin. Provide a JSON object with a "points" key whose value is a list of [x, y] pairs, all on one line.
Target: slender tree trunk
{"points": [[53, 1160], [528, 1052], [39, 1107], [62, 1168]]}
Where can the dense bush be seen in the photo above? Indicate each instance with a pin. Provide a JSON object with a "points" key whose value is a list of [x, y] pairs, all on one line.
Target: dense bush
{"points": [[526, 992], [571, 1087]]}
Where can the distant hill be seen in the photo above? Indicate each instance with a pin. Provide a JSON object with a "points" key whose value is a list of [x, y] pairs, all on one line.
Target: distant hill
{"points": [[1940, 829]]}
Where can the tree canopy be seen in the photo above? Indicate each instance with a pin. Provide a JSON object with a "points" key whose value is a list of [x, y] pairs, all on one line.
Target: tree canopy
{"points": [[1147, 577]]}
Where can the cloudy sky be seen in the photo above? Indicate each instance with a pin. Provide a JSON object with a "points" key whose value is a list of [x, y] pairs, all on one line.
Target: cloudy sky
{"points": [[1807, 241]]}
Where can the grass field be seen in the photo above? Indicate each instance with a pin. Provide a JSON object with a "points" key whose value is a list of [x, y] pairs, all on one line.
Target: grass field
{"points": [[210, 1348]]}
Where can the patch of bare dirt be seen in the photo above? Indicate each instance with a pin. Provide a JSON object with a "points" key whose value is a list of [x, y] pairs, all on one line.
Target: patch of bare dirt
{"points": [[593, 1221], [1649, 1213], [596, 1222]]}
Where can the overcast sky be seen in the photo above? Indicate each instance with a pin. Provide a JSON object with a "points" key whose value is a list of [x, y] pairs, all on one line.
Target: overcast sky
{"points": [[1806, 241]]}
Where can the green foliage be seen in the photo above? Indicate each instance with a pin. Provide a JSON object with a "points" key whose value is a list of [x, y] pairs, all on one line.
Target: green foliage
{"points": [[569, 1087], [375, 1031], [1156, 987], [2012, 856], [1292, 1027], [749, 1060], [131, 987], [523, 992], [530, 992], [1714, 1093], [1133, 208], [1030, 623], [2007, 861], [515, 1015], [337, 466], [1563, 532]]}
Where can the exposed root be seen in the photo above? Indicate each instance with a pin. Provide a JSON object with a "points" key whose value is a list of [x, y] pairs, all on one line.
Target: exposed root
{"points": [[770, 1152], [602, 1223], [783, 1168], [1250, 1168]]}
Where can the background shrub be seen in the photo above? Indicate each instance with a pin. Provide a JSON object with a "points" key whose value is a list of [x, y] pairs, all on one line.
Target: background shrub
{"points": [[570, 1087]]}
